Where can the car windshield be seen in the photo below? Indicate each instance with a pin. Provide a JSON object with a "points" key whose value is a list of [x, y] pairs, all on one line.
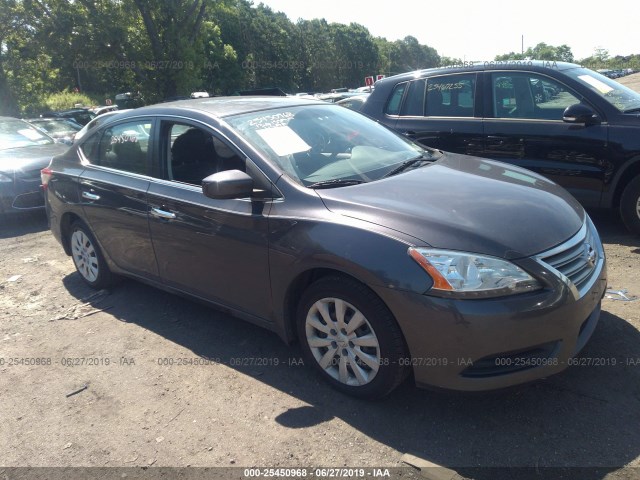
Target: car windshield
{"points": [[622, 98], [56, 126], [326, 145], [81, 117], [18, 134]]}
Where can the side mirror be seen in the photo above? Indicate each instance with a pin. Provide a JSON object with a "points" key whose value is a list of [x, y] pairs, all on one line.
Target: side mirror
{"points": [[228, 184], [580, 113]]}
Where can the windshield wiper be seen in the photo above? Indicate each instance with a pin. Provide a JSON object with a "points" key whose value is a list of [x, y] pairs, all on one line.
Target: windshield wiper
{"points": [[631, 110], [336, 182], [404, 165]]}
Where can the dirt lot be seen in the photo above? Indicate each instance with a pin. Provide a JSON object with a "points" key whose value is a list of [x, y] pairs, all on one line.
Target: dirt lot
{"points": [[171, 383], [631, 81]]}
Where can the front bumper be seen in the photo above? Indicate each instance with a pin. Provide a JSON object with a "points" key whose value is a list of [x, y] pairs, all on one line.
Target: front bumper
{"points": [[486, 344], [23, 194]]}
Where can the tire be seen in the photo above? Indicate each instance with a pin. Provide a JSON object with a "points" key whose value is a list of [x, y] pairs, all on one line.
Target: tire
{"points": [[365, 361], [630, 206], [88, 258]]}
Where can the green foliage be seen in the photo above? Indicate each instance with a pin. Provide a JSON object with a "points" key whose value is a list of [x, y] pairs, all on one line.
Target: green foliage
{"points": [[601, 60], [166, 48], [541, 51], [67, 99], [449, 61]]}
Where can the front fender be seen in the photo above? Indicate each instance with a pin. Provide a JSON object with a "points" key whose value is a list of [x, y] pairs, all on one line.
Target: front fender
{"points": [[364, 251]]}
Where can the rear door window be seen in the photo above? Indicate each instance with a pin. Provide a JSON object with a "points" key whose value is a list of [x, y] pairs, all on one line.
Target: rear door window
{"points": [[122, 147], [395, 100], [451, 95]]}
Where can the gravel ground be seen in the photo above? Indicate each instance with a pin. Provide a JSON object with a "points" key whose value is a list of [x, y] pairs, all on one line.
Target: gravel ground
{"points": [[172, 383]]}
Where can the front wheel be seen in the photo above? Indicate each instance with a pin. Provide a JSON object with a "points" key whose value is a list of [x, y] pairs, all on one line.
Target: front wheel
{"points": [[351, 338], [630, 206], [88, 258]]}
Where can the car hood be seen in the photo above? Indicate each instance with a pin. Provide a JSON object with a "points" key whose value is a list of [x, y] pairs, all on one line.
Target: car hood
{"points": [[466, 203], [28, 158]]}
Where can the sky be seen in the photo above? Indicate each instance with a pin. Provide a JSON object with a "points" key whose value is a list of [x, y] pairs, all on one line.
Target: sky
{"points": [[480, 30]]}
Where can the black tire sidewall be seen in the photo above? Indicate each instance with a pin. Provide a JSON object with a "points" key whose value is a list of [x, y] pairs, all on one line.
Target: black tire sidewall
{"points": [[390, 340], [628, 205]]}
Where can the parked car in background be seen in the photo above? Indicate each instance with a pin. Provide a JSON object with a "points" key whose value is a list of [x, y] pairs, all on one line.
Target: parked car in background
{"points": [[104, 109], [82, 116], [61, 130], [97, 121], [337, 96], [354, 103], [571, 124], [380, 256], [128, 100], [24, 151]]}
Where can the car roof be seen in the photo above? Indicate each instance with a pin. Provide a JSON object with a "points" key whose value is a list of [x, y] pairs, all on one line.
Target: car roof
{"points": [[361, 98], [498, 65], [50, 119], [223, 106]]}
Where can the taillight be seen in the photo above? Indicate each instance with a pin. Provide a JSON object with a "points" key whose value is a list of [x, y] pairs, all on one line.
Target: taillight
{"points": [[45, 176]]}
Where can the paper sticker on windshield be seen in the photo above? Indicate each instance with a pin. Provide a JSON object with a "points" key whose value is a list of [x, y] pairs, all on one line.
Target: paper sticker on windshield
{"points": [[30, 134], [597, 84], [283, 140]]}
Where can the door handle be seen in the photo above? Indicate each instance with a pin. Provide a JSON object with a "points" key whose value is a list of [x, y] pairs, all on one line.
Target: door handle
{"points": [[90, 196], [156, 212], [496, 140]]}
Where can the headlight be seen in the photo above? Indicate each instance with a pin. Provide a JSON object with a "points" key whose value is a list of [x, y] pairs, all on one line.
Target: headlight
{"points": [[469, 275], [4, 178]]}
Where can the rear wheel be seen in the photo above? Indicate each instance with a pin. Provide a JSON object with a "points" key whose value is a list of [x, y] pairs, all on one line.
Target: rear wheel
{"points": [[88, 258], [351, 338], [630, 205]]}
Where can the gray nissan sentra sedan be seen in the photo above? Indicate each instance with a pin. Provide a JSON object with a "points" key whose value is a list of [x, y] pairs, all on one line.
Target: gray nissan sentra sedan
{"points": [[381, 257]]}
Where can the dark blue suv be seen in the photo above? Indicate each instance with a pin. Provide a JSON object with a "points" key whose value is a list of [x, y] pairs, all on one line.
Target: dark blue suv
{"points": [[571, 124]]}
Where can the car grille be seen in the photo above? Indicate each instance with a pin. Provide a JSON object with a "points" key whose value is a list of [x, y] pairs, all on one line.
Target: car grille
{"points": [[29, 200], [577, 258], [28, 191]]}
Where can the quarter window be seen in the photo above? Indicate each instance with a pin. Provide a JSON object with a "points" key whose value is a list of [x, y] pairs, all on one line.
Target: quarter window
{"points": [[525, 95], [451, 96], [393, 107]]}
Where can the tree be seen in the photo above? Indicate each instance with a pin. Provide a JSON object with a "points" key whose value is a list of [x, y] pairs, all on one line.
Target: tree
{"points": [[173, 32], [510, 56], [408, 54], [9, 24], [564, 53], [355, 54], [541, 51]]}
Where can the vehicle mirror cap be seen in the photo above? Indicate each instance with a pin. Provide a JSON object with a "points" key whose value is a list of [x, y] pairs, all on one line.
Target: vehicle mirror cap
{"points": [[228, 184], [580, 113]]}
